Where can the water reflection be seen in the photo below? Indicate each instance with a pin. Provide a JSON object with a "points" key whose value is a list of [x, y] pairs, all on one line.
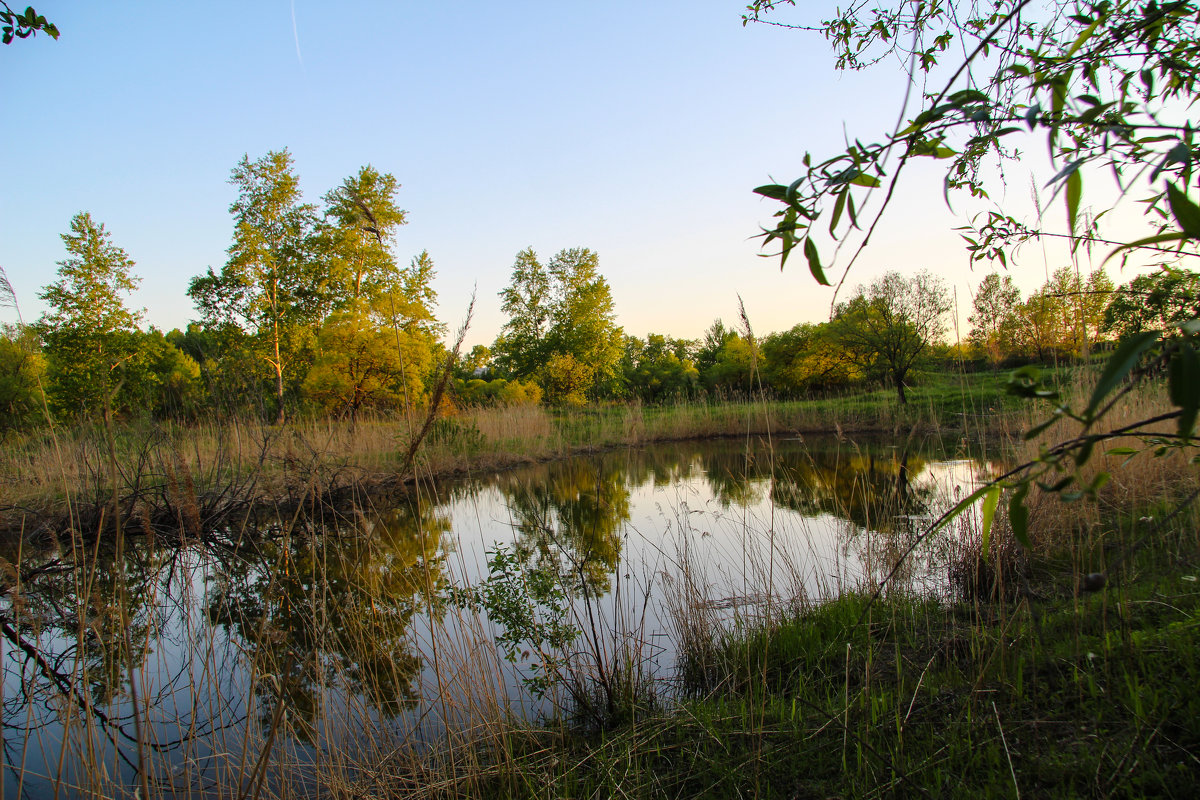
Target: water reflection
{"points": [[873, 488], [228, 648], [67, 626], [568, 518], [321, 621], [336, 600]]}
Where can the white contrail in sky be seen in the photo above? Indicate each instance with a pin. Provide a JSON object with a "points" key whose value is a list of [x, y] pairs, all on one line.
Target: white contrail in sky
{"points": [[296, 34]]}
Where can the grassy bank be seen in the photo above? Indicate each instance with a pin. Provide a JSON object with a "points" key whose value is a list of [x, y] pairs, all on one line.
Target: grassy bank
{"points": [[1064, 696], [162, 466]]}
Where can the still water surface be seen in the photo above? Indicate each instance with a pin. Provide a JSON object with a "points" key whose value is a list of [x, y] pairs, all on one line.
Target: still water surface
{"points": [[339, 634]]}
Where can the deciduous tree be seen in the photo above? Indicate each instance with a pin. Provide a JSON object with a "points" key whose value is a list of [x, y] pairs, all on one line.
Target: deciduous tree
{"points": [[22, 367], [521, 347], [1107, 85], [583, 320], [357, 235], [1157, 301], [564, 308], [270, 285], [993, 319], [893, 322], [806, 358], [654, 370]]}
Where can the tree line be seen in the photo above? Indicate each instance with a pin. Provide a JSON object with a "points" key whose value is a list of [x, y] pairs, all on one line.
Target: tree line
{"points": [[311, 310], [313, 313]]}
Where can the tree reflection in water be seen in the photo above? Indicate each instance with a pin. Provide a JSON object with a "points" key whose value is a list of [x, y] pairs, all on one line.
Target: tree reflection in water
{"points": [[220, 640], [569, 518], [336, 602]]}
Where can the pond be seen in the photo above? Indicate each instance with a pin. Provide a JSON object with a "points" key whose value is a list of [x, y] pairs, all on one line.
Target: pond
{"points": [[302, 644]]}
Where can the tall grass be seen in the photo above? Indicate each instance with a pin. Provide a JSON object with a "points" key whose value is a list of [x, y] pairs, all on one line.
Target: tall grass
{"points": [[265, 462]]}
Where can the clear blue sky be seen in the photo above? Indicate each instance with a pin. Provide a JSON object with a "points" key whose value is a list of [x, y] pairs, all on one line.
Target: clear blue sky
{"points": [[636, 129]]}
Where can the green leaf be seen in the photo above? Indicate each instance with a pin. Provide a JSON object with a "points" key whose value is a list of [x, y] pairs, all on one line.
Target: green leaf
{"points": [[1184, 386], [863, 179], [1070, 169], [1074, 193], [772, 190], [1149, 241], [1018, 516], [1186, 213], [838, 206], [990, 501], [789, 194], [1083, 37], [1032, 114], [1123, 451], [1119, 364], [814, 261]]}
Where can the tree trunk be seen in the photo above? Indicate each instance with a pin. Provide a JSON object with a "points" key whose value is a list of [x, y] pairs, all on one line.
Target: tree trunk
{"points": [[279, 393], [899, 380]]}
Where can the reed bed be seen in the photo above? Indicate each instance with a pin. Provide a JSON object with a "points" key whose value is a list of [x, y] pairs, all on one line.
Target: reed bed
{"points": [[43, 469]]}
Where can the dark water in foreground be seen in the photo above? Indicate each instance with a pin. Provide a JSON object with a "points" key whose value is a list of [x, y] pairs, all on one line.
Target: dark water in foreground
{"points": [[345, 634]]}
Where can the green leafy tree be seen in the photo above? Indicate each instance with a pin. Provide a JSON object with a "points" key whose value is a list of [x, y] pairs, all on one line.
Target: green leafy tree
{"points": [[583, 320], [1063, 318], [993, 319], [404, 298], [358, 233], [229, 369], [563, 308], [170, 384], [22, 367], [521, 347], [475, 363], [1079, 306], [807, 358], [497, 392], [362, 366], [566, 380], [892, 323], [1158, 301], [90, 335], [270, 285], [733, 366], [710, 346], [654, 370], [402, 303], [1036, 326]]}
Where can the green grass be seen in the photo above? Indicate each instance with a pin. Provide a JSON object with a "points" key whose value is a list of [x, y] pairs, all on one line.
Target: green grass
{"points": [[1065, 698]]}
